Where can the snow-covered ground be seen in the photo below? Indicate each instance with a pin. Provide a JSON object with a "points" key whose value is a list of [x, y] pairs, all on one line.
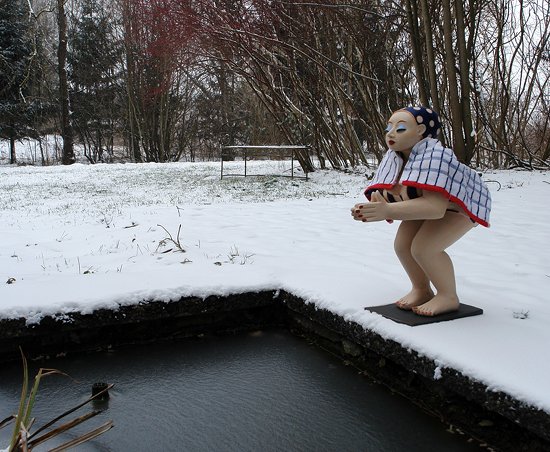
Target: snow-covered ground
{"points": [[97, 236]]}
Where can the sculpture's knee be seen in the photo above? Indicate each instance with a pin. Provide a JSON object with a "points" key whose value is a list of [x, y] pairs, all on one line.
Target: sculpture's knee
{"points": [[420, 251], [401, 247]]}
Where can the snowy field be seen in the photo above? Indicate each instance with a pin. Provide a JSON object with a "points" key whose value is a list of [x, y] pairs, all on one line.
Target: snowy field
{"points": [[98, 236]]}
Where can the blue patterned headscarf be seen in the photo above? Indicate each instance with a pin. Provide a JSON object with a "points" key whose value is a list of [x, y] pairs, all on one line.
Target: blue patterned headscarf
{"points": [[427, 117]]}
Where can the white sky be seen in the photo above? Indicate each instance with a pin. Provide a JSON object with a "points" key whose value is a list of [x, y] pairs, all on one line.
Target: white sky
{"points": [[83, 237]]}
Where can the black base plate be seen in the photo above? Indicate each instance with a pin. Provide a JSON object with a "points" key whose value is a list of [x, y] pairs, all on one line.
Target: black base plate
{"points": [[392, 312]]}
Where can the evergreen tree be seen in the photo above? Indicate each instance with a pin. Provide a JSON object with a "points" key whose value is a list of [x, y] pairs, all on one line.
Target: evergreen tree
{"points": [[67, 157], [94, 71], [16, 49]]}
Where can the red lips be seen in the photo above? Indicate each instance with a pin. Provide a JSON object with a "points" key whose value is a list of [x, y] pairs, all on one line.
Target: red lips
{"points": [[391, 142]]}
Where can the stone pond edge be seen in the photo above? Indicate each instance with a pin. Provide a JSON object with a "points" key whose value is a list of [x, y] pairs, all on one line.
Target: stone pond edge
{"points": [[466, 404]]}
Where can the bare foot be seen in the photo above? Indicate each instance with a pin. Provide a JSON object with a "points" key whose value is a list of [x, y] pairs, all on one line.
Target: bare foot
{"points": [[415, 297], [439, 304]]}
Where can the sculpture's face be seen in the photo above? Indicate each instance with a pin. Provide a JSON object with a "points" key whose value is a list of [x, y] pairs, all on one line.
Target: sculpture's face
{"points": [[402, 132]]}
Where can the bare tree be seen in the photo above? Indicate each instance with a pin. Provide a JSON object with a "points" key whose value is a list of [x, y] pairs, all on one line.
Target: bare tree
{"points": [[328, 74], [487, 75], [320, 69], [512, 72], [157, 38]]}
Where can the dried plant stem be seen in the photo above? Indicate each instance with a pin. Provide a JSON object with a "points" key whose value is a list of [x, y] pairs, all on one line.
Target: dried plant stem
{"points": [[175, 241]]}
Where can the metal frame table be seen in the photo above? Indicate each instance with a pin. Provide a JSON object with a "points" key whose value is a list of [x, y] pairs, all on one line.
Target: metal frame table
{"points": [[279, 151]]}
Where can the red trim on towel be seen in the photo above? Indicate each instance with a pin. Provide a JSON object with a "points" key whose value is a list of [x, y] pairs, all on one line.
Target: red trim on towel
{"points": [[376, 187], [429, 188]]}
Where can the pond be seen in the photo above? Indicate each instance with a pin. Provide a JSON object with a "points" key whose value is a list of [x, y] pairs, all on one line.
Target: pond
{"points": [[267, 390]]}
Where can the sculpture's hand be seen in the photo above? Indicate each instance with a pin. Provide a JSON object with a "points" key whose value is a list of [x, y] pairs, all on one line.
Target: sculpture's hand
{"points": [[375, 210]]}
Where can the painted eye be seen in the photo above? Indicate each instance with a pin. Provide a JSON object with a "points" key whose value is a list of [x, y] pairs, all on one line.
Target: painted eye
{"points": [[401, 128], [388, 128]]}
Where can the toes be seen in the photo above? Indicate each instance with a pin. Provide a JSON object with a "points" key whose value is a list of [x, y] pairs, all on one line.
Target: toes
{"points": [[435, 307], [401, 304], [424, 312]]}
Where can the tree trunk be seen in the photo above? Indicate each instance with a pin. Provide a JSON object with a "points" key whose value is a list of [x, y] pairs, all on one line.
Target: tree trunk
{"points": [[228, 137], [13, 158], [464, 67], [67, 157], [133, 130], [454, 100], [418, 57], [430, 58]]}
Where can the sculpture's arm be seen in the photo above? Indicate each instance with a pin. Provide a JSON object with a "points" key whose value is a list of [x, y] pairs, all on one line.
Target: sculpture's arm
{"points": [[430, 206]]}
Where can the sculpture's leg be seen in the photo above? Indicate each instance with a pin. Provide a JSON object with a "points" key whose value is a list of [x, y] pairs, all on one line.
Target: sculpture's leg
{"points": [[420, 292], [428, 249]]}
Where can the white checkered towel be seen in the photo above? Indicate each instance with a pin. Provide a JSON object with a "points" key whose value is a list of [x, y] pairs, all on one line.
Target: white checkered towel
{"points": [[433, 167]]}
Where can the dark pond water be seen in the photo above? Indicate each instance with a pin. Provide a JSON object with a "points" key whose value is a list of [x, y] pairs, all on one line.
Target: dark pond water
{"points": [[266, 391]]}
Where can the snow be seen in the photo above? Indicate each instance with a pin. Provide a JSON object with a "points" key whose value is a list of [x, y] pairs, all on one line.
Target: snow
{"points": [[85, 237]]}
